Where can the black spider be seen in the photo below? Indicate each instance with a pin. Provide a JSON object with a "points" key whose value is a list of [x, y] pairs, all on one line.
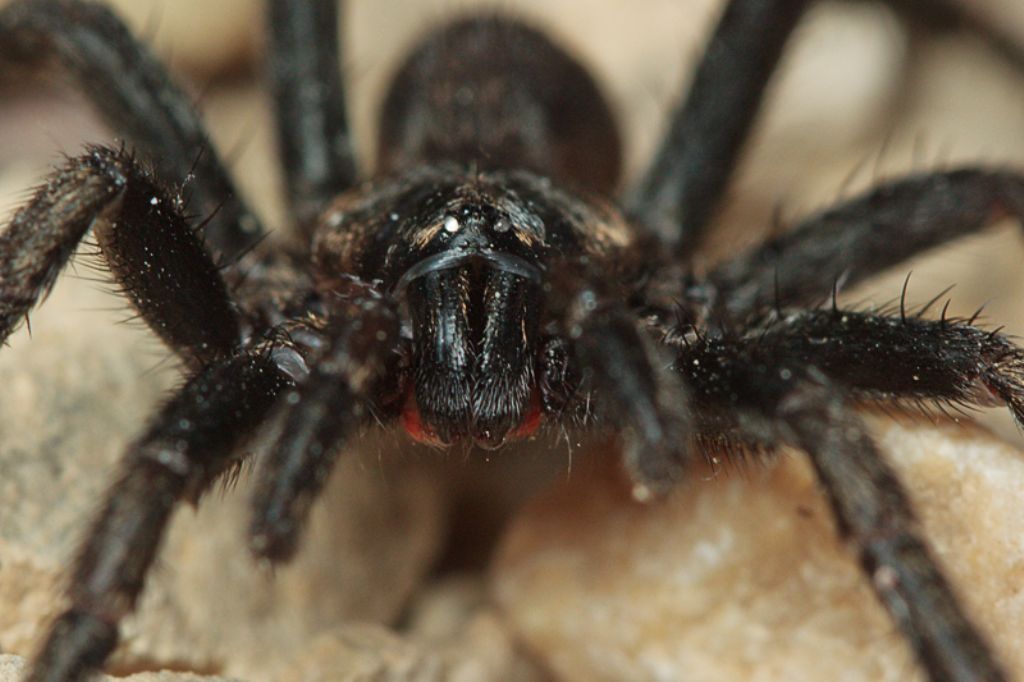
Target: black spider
{"points": [[479, 286]]}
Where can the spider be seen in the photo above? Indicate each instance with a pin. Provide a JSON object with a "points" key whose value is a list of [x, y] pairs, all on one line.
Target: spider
{"points": [[480, 285]]}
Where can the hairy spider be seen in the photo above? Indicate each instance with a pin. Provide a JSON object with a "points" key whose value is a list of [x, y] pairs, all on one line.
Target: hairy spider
{"points": [[479, 286]]}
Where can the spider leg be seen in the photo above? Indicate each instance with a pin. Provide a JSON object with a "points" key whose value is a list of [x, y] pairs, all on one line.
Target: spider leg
{"points": [[641, 394], [774, 400], [864, 236], [682, 186], [309, 96], [361, 337], [906, 358], [189, 443], [133, 91], [153, 253]]}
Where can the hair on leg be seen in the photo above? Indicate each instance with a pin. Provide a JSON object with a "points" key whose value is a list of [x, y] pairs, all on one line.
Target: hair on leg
{"points": [[747, 389], [134, 92], [190, 442], [41, 237], [905, 358], [636, 390], [153, 253], [361, 336], [864, 236]]}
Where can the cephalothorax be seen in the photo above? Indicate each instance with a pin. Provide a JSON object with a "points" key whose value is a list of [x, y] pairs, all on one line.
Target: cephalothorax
{"points": [[481, 285]]}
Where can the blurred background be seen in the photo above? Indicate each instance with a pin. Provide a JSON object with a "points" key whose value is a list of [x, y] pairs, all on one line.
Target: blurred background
{"points": [[859, 98]]}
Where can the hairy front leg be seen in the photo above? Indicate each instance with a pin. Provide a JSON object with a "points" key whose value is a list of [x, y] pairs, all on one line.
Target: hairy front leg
{"points": [[188, 444], [862, 237], [746, 389], [154, 254], [906, 358], [135, 94]]}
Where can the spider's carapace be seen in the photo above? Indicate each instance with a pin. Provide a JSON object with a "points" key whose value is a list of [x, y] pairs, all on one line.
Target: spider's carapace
{"points": [[466, 222]]}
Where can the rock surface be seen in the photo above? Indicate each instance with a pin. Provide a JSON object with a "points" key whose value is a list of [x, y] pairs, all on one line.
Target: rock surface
{"points": [[742, 576], [11, 667], [484, 650]]}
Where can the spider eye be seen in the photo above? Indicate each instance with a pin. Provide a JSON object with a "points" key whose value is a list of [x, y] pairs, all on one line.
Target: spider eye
{"points": [[451, 224]]}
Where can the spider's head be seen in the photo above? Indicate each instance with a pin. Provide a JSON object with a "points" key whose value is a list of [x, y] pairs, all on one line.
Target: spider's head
{"points": [[465, 258]]}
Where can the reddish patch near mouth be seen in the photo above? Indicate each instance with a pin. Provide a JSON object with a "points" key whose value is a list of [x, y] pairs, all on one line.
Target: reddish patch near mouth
{"points": [[413, 422], [420, 431], [531, 420]]}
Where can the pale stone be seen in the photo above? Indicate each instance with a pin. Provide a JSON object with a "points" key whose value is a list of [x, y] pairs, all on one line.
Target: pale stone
{"points": [[742, 576], [483, 650], [201, 37], [12, 667]]}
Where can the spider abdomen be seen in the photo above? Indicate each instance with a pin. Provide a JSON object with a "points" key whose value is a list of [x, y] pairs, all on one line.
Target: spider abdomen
{"points": [[493, 92]]}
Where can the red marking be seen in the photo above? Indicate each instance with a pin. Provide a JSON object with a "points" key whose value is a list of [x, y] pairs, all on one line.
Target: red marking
{"points": [[531, 420], [420, 431], [413, 424]]}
